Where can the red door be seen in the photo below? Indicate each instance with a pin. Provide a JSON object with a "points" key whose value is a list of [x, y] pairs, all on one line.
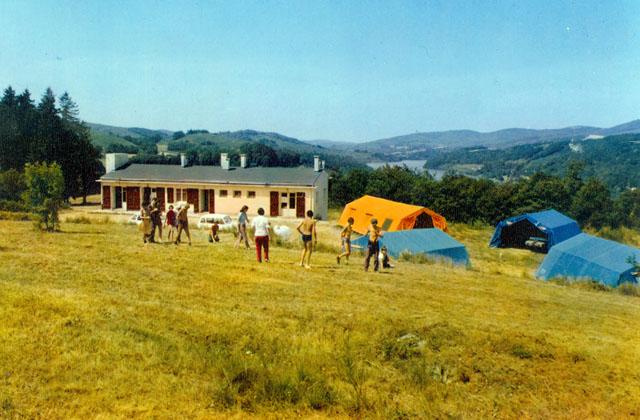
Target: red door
{"points": [[274, 204], [106, 197], [193, 198], [118, 197], [170, 195], [300, 204], [160, 195], [133, 198], [212, 201]]}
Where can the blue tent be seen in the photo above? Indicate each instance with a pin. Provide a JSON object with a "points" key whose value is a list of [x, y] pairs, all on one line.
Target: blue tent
{"points": [[432, 242], [585, 256], [547, 227]]}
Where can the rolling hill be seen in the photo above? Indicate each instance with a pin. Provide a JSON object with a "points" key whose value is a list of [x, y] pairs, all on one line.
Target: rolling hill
{"points": [[614, 159], [419, 144]]}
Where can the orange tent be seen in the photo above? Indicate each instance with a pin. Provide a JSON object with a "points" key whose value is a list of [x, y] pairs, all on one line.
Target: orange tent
{"points": [[391, 215]]}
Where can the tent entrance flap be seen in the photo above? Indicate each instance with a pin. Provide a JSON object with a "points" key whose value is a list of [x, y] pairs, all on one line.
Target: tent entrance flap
{"points": [[423, 221], [523, 234]]}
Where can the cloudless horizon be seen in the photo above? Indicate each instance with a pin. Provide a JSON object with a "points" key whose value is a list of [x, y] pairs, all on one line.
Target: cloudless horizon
{"points": [[343, 71]]}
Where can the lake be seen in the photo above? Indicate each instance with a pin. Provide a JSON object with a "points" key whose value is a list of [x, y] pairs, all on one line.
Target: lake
{"points": [[416, 164]]}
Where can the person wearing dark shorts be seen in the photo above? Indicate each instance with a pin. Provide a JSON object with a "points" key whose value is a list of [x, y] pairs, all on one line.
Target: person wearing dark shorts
{"points": [[373, 246], [307, 229]]}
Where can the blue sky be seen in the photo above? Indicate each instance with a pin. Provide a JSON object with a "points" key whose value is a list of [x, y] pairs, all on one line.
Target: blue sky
{"points": [[348, 71]]}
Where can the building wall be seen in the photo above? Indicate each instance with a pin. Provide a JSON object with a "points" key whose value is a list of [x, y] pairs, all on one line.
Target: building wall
{"points": [[231, 203]]}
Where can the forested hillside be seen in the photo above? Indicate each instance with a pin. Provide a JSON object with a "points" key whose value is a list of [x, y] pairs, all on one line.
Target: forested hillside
{"points": [[203, 147], [614, 159]]}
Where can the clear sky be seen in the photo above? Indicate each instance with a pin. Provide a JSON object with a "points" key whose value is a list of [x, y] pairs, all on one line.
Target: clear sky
{"points": [[349, 71]]}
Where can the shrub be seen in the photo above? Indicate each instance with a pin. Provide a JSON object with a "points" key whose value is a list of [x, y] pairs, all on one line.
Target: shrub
{"points": [[45, 188], [10, 205], [629, 289], [16, 216]]}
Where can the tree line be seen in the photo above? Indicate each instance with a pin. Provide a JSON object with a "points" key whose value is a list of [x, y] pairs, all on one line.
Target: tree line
{"points": [[468, 200], [47, 132]]}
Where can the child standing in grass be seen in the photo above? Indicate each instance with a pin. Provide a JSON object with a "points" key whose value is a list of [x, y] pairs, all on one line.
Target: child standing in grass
{"points": [[307, 229], [243, 221], [171, 223], [345, 236], [145, 226], [261, 229], [373, 246]]}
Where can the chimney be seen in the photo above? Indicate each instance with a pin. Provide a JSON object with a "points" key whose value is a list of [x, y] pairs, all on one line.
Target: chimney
{"points": [[224, 161], [183, 160], [322, 165], [243, 161], [114, 161], [316, 163]]}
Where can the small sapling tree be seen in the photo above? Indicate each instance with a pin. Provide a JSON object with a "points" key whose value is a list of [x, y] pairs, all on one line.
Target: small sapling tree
{"points": [[44, 194]]}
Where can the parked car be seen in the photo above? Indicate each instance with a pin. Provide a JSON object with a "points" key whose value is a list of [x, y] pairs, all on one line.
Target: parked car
{"points": [[224, 221], [135, 219]]}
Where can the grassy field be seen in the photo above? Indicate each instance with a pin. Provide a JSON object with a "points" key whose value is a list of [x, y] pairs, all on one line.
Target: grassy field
{"points": [[97, 325]]}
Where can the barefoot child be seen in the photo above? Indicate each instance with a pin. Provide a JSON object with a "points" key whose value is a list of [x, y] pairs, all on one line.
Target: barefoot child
{"points": [[307, 229], [171, 223], [373, 246], [345, 236]]}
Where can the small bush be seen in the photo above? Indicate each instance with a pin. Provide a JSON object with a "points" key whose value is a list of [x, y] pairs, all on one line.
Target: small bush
{"points": [[629, 289], [581, 283], [17, 206], [407, 256], [82, 220], [521, 352], [16, 216]]}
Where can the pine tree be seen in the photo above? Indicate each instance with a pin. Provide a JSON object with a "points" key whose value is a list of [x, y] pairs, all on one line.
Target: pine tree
{"points": [[68, 108], [47, 105], [9, 97]]}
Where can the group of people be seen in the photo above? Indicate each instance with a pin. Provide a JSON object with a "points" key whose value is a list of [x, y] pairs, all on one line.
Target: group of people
{"points": [[176, 222], [379, 254]]}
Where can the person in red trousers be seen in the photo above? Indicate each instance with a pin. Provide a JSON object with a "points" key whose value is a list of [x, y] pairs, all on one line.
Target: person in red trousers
{"points": [[261, 228]]}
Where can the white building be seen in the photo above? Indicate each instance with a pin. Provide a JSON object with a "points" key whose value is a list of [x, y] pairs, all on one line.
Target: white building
{"points": [[286, 192]]}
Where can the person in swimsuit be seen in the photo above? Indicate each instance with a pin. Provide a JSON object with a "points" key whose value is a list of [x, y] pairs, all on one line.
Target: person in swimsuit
{"points": [[345, 236], [373, 246], [307, 229]]}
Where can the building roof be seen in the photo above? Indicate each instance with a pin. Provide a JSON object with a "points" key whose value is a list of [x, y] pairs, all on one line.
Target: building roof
{"points": [[300, 176]]}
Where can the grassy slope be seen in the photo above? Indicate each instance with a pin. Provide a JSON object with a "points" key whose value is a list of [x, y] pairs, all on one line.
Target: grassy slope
{"points": [[104, 139], [95, 323]]}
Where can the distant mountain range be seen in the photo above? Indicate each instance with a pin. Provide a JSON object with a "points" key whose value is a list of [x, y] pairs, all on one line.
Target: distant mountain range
{"points": [[421, 142], [416, 145]]}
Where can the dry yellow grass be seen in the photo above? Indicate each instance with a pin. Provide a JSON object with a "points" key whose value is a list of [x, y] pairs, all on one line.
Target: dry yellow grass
{"points": [[95, 324]]}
